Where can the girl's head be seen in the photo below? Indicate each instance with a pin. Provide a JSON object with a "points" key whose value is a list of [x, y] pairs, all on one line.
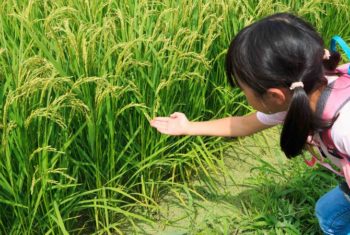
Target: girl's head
{"points": [[266, 58]]}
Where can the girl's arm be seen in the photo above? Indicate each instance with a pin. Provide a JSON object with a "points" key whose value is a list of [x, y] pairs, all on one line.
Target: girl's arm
{"points": [[178, 124]]}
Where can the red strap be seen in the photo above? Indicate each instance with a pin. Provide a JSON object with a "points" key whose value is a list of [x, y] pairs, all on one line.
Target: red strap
{"points": [[315, 160], [311, 162]]}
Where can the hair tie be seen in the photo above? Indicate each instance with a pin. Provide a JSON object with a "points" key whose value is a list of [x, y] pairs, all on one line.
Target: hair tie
{"points": [[295, 85], [326, 54]]}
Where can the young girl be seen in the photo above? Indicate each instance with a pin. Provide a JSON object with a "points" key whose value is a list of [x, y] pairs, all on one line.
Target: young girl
{"points": [[281, 66]]}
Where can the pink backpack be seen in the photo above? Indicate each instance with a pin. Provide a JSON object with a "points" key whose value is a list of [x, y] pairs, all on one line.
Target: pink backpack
{"points": [[337, 95]]}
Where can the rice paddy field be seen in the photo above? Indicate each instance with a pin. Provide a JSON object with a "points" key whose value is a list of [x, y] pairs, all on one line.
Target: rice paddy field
{"points": [[81, 79]]}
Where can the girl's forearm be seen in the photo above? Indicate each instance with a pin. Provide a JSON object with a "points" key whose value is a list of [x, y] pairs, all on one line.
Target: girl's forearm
{"points": [[227, 127], [219, 127]]}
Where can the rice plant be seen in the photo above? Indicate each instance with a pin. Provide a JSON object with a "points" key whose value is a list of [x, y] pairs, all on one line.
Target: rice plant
{"points": [[81, 79]]}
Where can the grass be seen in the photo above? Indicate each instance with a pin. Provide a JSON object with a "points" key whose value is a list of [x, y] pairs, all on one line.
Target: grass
{"points": [[267, 194], [80, 81]]}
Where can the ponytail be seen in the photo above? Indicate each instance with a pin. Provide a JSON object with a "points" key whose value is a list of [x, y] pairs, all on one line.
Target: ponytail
{"points": [[300, 119], [297, 124]]}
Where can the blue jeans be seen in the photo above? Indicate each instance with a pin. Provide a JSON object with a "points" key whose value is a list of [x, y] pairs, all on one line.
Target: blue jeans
{"points": [[333, 212]]}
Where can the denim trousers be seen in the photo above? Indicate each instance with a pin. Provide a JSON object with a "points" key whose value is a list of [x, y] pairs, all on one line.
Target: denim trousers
{"points": [[333, 212]]}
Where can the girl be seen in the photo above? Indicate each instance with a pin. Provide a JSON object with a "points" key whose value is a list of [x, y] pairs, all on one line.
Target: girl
{"points": [[281, 66]]}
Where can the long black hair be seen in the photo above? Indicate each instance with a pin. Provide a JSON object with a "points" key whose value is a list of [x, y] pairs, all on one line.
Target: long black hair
{"points": [[275, 52]]}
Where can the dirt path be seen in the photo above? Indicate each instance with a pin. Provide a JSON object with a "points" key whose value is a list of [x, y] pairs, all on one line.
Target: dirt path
{"points": [[215, 214]]}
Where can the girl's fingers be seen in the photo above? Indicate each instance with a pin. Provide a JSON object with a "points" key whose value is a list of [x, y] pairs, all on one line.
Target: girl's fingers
{"points": [[162, 119], [164, 124], [176, 114], [158, 124], [167, 131], [163, 130]]}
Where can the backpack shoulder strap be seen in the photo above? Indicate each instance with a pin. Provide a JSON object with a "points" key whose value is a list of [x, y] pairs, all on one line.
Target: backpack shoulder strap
{"points": [[336, 95]]}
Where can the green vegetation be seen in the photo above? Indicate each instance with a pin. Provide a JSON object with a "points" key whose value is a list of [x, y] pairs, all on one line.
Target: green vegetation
{"points": [[81, 79], [264, 194]]}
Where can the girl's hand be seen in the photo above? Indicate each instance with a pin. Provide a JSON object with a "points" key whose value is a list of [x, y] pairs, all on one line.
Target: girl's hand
{"points": [[176, 124]]}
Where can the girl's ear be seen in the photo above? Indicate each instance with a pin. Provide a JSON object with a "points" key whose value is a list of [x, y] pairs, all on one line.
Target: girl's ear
{"points": [[278, 96]]}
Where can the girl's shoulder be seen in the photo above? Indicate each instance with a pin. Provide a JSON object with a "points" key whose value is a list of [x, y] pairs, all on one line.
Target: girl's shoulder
{"points": [[271, 119]]}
